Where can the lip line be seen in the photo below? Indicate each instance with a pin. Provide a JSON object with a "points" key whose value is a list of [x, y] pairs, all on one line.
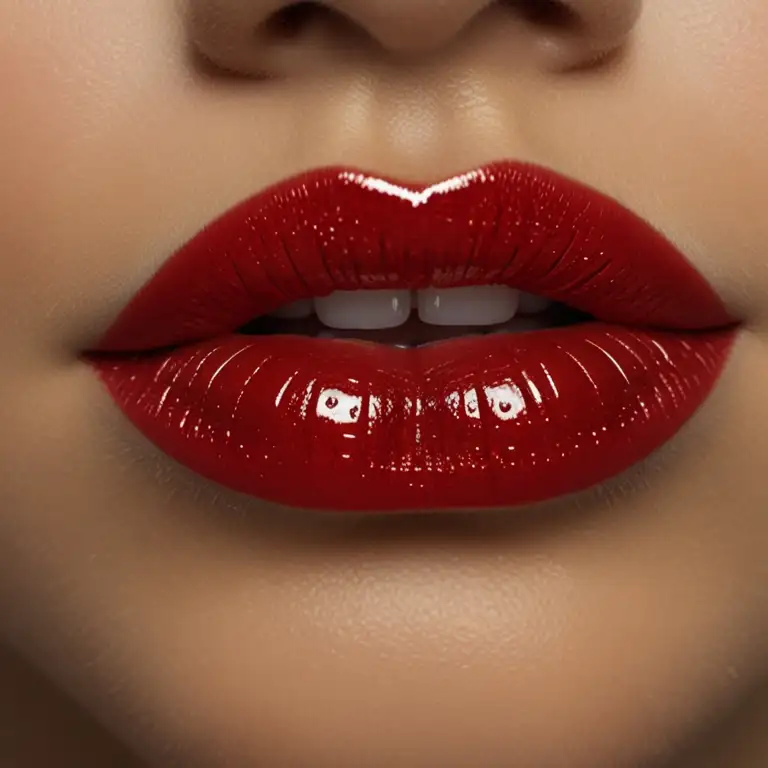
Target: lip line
{"points": [[411, 199], [495, 421]]}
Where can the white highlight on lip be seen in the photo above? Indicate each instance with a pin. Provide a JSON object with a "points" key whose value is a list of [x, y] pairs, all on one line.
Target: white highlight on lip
{"points": [[611, 358], [226, 363], [550, 379], [471, 405], [661, 349], [506, 401], [339, 407], [533, 388], [583, 368], [284, 388], [416, 199]]}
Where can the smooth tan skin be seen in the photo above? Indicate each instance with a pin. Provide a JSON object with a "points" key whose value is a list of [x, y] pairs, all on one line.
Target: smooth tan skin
{"points": [[625, 627]]}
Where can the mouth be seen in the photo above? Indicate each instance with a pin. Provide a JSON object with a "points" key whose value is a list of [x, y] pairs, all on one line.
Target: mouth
{"points": [[416, 319], [345, 342]]}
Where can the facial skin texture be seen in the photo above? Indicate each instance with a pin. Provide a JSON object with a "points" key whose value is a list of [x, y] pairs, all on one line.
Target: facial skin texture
{"points": [[624, 627]]}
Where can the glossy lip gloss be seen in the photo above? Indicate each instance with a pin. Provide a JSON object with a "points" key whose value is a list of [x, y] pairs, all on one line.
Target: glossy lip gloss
{"points": [[494, 421]]}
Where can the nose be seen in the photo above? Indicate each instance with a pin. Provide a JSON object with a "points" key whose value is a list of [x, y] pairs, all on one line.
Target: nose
{"points": [[253, 36]]}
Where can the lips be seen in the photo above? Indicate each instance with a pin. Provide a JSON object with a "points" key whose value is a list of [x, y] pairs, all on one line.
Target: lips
{"points": [[493, 421]]}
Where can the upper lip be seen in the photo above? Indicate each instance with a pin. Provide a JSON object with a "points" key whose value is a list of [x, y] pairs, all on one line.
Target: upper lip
{"points": [[531, 229]]}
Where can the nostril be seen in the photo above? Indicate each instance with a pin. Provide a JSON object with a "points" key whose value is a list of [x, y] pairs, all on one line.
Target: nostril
{"points": [[294, 20], [548, 13]]}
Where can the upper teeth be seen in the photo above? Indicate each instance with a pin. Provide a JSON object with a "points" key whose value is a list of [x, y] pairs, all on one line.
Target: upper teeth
{"points": [[364, 310], [483, 305], [372, 310]]}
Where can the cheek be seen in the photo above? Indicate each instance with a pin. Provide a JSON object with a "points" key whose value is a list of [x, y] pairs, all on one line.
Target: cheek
{"points": [[79, 81], [715, 60], [69, 72], [717, 49]]}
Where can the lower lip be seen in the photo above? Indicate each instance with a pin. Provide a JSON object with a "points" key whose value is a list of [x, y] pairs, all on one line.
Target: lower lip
{"points": [[481, 422]]}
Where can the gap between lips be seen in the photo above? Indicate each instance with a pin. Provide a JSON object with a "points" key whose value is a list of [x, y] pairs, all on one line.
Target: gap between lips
{"points": [[405, 318]]}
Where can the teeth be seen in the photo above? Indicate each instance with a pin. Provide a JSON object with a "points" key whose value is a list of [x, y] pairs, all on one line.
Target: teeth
{"points": [[486, 305], [296, 311], [532, 305], [479, 305], [364, 310]]}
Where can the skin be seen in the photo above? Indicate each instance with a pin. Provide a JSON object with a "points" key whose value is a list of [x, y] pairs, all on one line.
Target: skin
{"points": [[149, 618]]}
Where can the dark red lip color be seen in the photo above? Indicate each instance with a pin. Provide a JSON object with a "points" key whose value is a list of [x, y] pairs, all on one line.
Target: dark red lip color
{"points": [[481, 422]]}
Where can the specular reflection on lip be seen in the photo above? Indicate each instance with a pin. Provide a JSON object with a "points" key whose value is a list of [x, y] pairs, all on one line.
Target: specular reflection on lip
{"points": [[496, 421], [486, 422]]}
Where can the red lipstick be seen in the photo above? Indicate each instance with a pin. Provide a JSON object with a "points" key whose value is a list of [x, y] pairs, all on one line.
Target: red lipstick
{"points": [[493, 421]]}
